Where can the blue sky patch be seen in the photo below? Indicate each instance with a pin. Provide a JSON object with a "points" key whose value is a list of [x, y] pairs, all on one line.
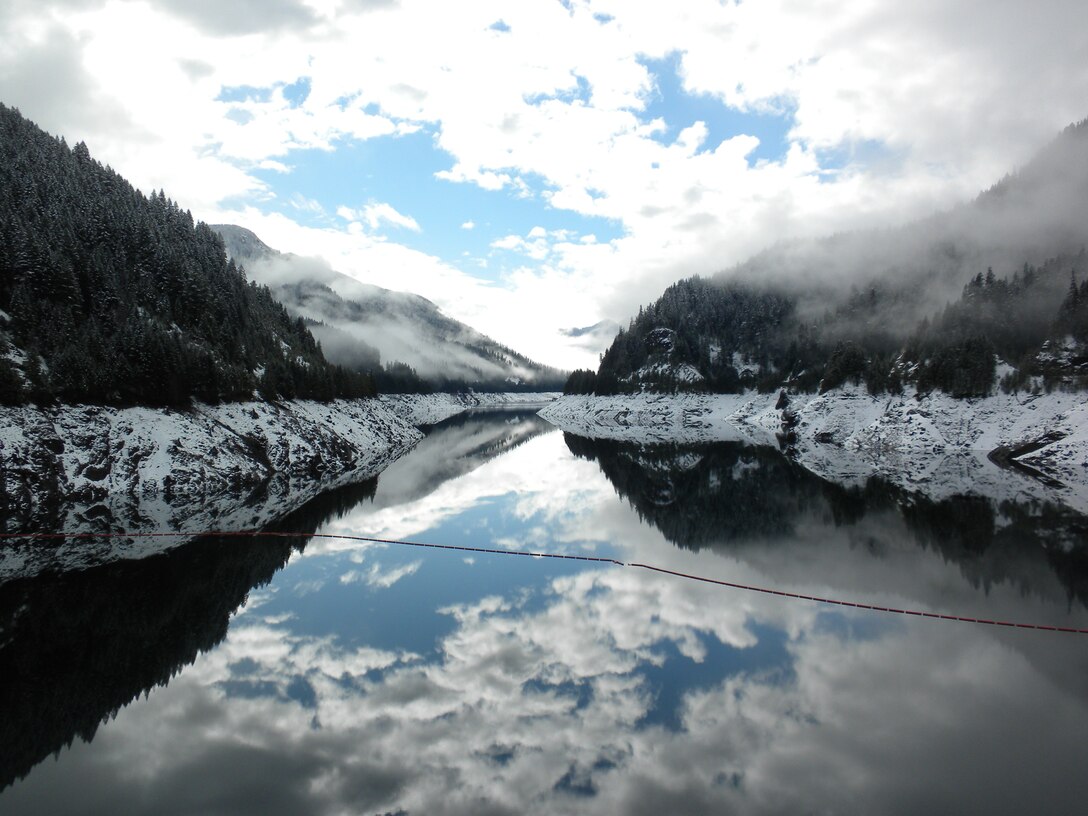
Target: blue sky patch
{"points": [[400, 171], [581, 92], [360, 614], [680, 109], [296, 92], [678, 675], [240, 115], [857, 626], [580, 693], [244, 93]]}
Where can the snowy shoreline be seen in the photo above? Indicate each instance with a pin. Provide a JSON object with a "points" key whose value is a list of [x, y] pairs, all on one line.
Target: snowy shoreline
{"points": [[234, 466], [936, 444]]}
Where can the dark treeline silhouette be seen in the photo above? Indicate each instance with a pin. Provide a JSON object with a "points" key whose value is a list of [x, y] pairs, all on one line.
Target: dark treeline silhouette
{"points": [[689, 494], [111, 296]]}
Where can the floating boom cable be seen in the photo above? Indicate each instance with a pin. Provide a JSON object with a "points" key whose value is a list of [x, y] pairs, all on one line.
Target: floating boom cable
{"points": [[559, 556]]}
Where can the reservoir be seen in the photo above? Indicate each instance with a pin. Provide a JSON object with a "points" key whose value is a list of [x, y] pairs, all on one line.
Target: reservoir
{"points": [[307, 671]]}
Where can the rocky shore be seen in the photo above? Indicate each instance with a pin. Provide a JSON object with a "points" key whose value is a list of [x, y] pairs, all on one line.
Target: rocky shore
{"points": [[236, 466], [932, 443], [232, 466]]}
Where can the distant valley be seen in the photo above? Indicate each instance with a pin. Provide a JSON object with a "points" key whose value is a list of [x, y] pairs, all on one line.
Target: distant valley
{"points": [[402, 337]]}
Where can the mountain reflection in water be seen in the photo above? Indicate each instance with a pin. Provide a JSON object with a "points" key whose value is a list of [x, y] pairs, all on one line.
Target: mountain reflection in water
{"points": [[361, 678], [727, 496]]}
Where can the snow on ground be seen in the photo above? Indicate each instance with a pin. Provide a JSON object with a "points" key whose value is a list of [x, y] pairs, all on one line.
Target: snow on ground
{"points": [[236, 466], [934, 444], [745, 367], [233, 466], [430, 409], [1066, 458], [684, 373], [650, 417]]}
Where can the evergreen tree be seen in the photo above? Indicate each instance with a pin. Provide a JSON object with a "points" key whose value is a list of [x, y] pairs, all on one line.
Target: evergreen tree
{"points": [[117, 297]]}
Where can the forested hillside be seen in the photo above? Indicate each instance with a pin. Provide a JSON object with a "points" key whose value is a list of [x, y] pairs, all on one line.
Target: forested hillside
{"points": [[914, 306], [111, 296]]}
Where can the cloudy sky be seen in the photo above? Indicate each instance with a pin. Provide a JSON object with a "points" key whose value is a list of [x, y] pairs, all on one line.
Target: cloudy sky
{"points": [[539, 165]]}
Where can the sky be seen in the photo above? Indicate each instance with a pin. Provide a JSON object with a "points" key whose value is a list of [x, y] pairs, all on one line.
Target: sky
{"points": [[542, 165]]}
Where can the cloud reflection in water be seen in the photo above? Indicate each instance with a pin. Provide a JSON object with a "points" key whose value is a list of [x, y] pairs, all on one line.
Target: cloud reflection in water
{"points": [[509, 685]]}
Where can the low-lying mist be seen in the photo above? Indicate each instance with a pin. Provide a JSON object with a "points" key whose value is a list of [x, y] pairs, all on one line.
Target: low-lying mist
{"points": [[362, 326], [1030, 216]]}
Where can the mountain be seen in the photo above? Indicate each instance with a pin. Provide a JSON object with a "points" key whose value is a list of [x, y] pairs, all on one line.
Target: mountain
{"points": [[920, 304], [599, 329], [111, 296], [593, 338], [359, 325]]}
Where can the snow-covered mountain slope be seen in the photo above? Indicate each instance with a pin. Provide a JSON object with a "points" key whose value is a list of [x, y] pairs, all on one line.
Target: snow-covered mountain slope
{"points": [[358, 319], [225, 467], [934, 444]]}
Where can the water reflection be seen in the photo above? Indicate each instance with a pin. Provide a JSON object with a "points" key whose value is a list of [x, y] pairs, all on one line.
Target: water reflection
{"points": [[455, 447], [368, 679], [78, 647], [729, 496]]}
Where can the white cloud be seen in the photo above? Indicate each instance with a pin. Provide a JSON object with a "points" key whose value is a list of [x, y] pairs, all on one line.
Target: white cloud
{"points": [[468, 225], [308, 205], [484, 178], [555, 107], [378, 577], [508, 242], [376, 214], [553, 492]]}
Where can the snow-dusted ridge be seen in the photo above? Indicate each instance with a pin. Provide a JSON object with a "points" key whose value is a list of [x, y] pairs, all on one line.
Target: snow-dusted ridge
{"points": [[934, 444], [234, 466]]}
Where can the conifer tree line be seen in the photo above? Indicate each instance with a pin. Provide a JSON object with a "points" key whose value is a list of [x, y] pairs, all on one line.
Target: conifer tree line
{"points": [[1026, 319], [111, 296]]}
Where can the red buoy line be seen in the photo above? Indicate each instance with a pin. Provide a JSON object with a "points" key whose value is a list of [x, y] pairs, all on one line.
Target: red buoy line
{"points": [[594, 559]]}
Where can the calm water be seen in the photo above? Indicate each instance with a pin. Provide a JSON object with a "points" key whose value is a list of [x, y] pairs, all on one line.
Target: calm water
{"points": [[316, 675]]}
